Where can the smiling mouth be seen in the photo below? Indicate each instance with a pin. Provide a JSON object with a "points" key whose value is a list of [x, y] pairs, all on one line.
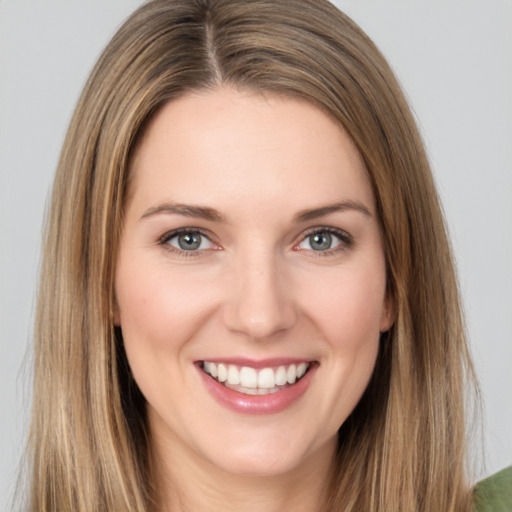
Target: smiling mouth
{"points": [[251, 381]]}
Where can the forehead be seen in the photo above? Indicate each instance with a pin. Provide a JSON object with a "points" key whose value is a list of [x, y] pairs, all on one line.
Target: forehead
{"points": [[225, 145]]}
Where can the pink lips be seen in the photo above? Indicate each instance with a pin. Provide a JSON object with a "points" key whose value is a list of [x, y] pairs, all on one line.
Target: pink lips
{"points": [[258, 404]]}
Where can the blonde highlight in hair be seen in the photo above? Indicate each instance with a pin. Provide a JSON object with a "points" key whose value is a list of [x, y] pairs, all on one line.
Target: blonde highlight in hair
{"points": [[403, 447]]}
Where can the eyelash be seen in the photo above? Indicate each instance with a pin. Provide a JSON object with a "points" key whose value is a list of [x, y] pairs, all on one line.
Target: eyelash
{"points": [[164, 241], [346, 241]]}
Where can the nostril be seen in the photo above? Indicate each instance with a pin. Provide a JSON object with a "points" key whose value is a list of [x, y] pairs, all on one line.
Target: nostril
{"points": [[259, 304], [259, 320]]}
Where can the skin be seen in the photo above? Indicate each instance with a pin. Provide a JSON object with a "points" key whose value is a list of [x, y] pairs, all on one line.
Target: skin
{"points": [[255, 288]]}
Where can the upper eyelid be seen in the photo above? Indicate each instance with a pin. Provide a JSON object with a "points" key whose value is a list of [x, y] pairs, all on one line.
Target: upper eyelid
{"points": [[345, 238], [175, 232], [316, 229], [329, 229], [341, 233], [164, 240]]}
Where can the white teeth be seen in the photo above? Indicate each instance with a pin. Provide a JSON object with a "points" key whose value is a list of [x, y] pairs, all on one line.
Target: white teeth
{"points": [[248, 377], [222, 373], [281, 376], [266, 378], [233, 375], [250, 391], [301, 370], [252, 381], [291, 374]]}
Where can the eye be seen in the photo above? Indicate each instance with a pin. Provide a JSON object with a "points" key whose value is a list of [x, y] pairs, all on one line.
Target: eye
{"points": [[187, 241], [325, 240]]}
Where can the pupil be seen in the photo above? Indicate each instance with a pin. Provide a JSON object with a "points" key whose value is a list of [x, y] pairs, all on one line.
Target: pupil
{"points": [[189, 241], [320, 241]]}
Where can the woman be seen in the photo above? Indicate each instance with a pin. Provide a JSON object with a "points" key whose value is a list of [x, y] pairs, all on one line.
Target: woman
{"points": [[243, 191]]}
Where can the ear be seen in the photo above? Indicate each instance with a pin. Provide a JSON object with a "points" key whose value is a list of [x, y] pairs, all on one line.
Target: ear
{"points": [[388, 313]]}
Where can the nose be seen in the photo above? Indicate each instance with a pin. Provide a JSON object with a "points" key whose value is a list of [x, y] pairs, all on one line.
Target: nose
{"points": [[260, 301]]}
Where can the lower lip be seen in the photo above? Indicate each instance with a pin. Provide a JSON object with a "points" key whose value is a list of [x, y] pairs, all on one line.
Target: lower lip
{"points": [[271, 403]]}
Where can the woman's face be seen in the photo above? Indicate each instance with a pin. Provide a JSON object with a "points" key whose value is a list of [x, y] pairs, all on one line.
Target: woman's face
{"points": [[251, 253]]}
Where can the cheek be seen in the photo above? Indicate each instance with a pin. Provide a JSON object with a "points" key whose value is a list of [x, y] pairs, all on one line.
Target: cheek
{"points": [[347, 315], [157, 304], [159, 312], [349, 311]]}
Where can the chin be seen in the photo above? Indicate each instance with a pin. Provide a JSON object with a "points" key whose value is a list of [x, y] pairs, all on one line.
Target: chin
{"points": [[259, 464], [270, 456]]}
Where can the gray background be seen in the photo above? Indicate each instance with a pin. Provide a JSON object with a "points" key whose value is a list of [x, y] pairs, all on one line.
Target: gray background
{"points": [[454, 58]]}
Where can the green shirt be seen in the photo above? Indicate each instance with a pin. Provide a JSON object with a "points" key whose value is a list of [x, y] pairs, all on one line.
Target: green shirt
{"points": [[494, 494]]}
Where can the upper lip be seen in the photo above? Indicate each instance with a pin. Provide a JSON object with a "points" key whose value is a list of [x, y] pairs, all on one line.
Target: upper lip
{"points": [[258, 363]]}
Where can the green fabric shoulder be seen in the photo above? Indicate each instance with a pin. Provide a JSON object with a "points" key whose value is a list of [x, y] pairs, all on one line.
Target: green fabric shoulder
{"points": [[494, 494]]}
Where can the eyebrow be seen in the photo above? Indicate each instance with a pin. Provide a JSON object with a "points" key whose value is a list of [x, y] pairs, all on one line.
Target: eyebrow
{"points": [[211, 214], [315, 213], [187, 210]]}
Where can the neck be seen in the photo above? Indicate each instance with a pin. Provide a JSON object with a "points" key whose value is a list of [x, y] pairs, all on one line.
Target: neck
{"points": [[192, 485]]}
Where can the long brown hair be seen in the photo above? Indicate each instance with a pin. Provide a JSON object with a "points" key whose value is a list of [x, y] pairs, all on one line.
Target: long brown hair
{"points": [[403, 447]]}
